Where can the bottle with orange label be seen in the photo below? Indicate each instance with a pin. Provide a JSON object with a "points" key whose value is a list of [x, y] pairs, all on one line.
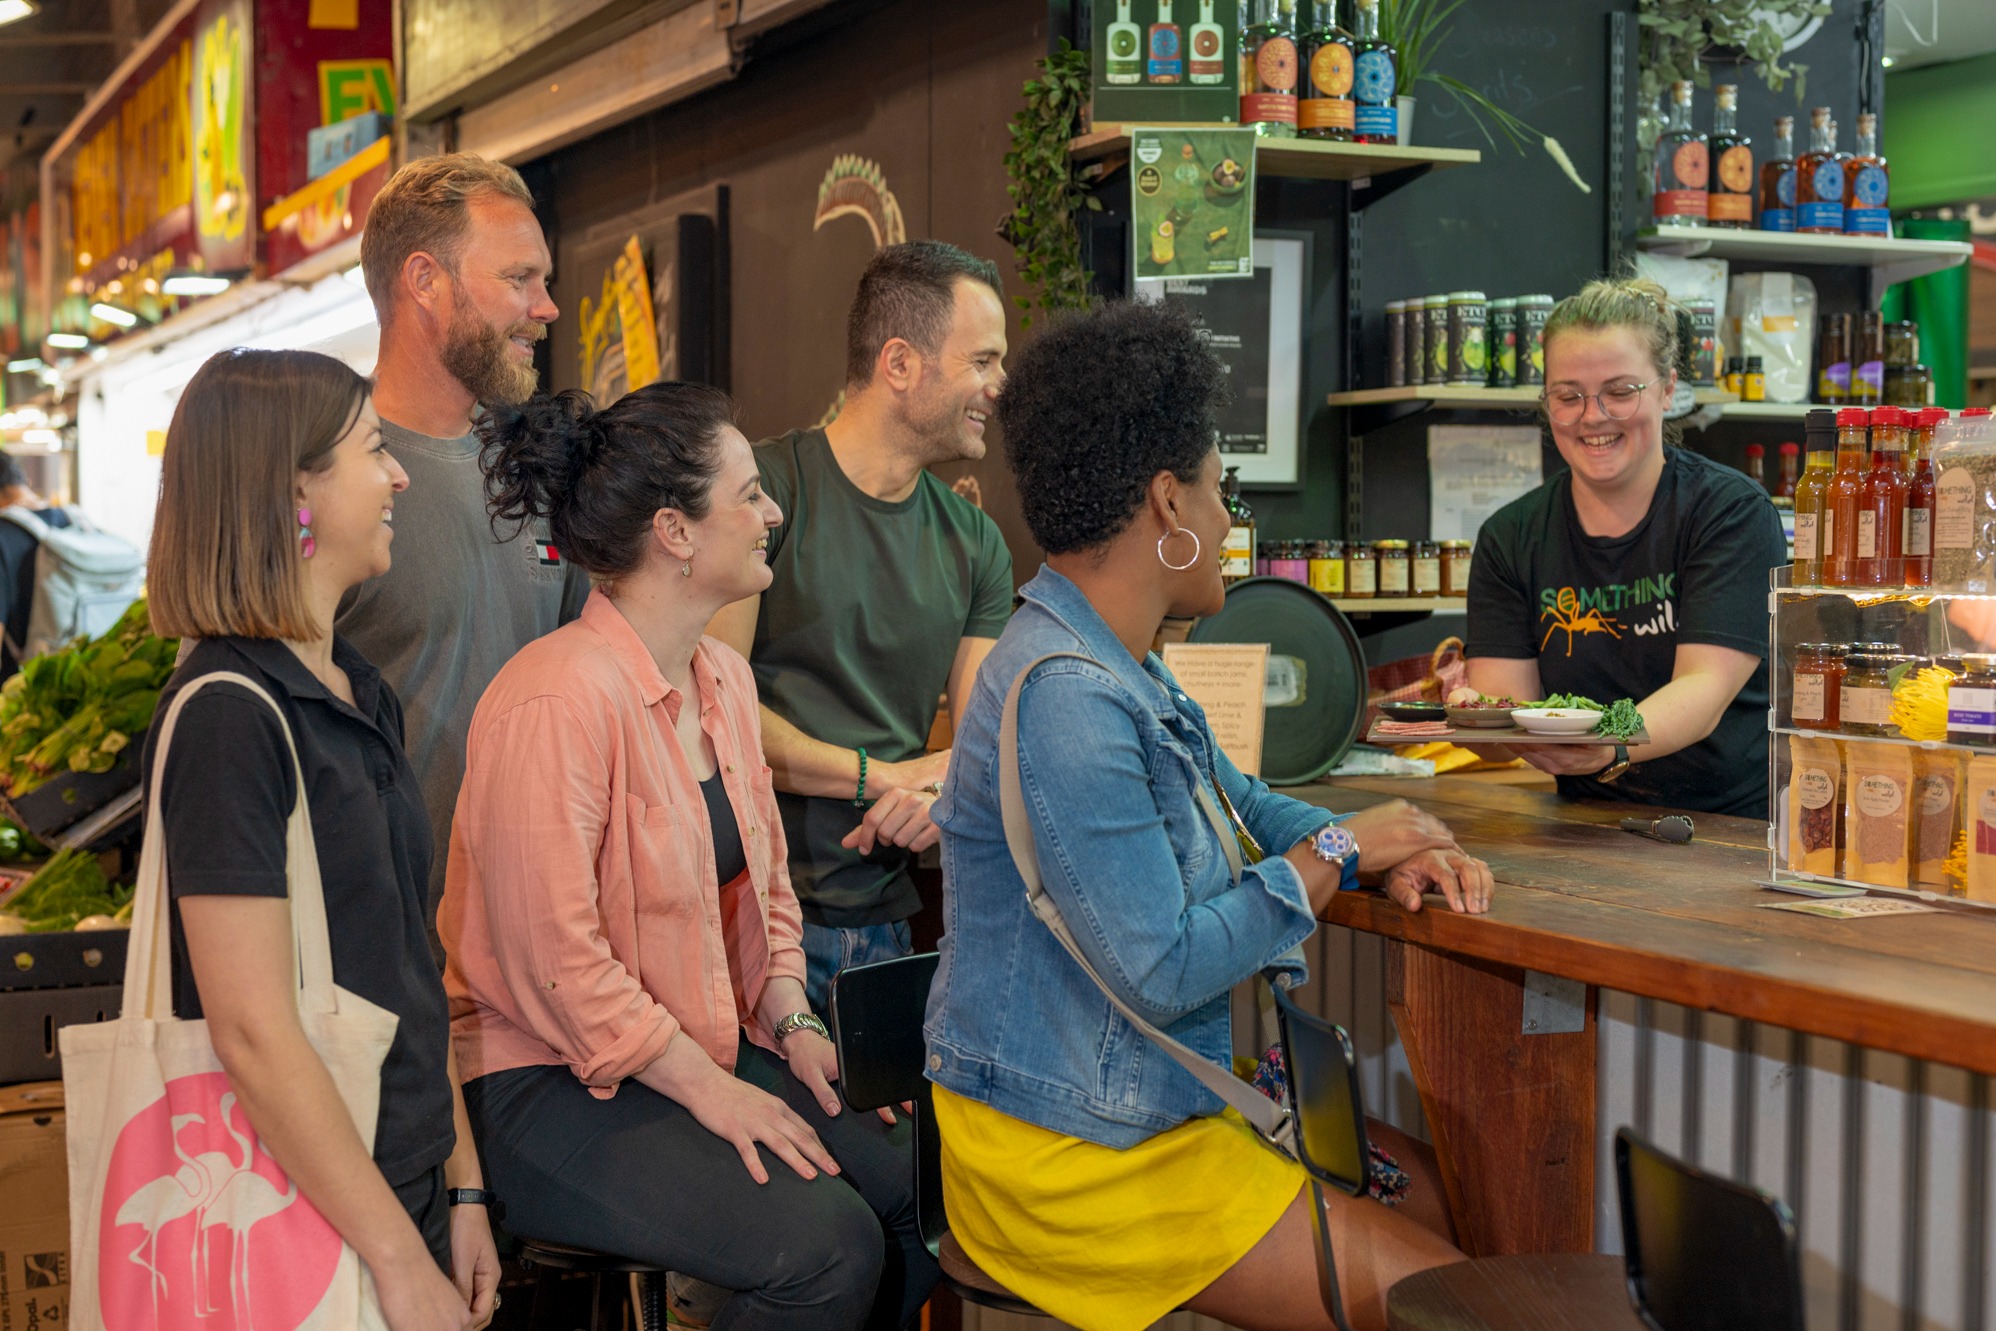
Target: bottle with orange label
{"points": [[1268, 71], [1206, 48], [1843, 497], [1327, 109], [1729, 203], [1683, 165]]}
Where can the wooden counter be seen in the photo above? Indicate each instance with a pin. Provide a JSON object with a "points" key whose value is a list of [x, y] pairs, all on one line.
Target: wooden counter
{"points": [[1508, 1084]]}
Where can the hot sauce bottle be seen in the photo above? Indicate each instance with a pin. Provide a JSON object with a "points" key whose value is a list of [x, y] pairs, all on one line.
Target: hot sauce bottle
{"points": [[1790, 457], [1777, 179], [1813, 529], [1843, 497], [1819, 180], [1867, 185], [1920, 497], [1881, 515], [1730, 200]]}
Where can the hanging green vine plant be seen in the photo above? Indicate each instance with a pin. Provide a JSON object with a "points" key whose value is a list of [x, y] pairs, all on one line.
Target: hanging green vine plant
{"points": [[1678, 33], [1047, 194]]}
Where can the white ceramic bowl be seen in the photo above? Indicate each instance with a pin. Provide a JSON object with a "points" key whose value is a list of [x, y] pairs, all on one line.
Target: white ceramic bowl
{"points": [[1556, 720]]}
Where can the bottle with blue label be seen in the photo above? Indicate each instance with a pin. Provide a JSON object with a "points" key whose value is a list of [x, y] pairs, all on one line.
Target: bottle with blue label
{"points": [[1867, 185], [1375, 80], [1819, 180], [1167, 49], [1777, 179]]}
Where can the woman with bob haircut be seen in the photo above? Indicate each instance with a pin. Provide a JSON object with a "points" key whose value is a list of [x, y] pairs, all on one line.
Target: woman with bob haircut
{"points": [[276, 498], [626, 965], [1082, 1167]]}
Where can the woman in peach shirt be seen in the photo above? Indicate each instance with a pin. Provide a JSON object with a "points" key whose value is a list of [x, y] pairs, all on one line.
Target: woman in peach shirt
{"points": [[641, 1068]]}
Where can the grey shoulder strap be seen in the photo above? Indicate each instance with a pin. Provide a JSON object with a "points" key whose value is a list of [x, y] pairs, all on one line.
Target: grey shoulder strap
{"points": [[1269, 1119]]}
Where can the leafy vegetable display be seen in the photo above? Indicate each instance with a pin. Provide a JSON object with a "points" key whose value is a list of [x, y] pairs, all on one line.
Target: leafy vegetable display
{"points": [[1619, 719], [75, 710], [69, 888]]}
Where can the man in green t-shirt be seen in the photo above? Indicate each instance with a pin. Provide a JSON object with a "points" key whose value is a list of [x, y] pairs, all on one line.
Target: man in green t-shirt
{"points": [[889, 591]]}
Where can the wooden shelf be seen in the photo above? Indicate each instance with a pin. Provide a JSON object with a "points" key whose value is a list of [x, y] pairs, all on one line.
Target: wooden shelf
{"points": [[1771, 411], [1890, 259], [1395, 605], [1468, 397], [1301, 159]]}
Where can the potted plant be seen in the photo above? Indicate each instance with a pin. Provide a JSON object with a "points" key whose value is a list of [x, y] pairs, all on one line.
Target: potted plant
{"points": [[1678, 36], [1417, 29]]}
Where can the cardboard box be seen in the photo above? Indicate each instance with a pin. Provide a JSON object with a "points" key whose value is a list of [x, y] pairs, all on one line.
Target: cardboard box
{"points": [[34, 1209]]}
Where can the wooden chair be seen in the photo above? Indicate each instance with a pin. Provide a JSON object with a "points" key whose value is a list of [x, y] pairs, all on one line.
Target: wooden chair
{"points": [[877, 1013], [1555, 1293], [647, 1281]]}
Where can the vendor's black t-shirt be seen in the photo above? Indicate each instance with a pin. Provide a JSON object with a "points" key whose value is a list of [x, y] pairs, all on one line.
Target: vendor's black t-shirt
{"points": [[1604, 616], [229, 789]]}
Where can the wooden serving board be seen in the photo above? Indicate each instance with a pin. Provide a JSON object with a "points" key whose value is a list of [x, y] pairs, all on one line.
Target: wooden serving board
{"points": [[1469, 737]]}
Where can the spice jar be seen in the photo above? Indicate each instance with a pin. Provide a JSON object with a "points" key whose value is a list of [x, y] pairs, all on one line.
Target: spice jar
{"points": [[1327, 567], [1971, 702], [1396, 572], [1455, 567], [1427, 566], [1361, 572], [1815, 695], [1865, 699], [1264, 558], [1291, 561]]}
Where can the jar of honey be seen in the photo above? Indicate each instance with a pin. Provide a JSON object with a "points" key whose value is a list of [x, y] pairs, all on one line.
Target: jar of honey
{"points": [[1361, 572], [1455, 567], [1817, 686], [1396, 567], [1327, 567], [1427, 569]]}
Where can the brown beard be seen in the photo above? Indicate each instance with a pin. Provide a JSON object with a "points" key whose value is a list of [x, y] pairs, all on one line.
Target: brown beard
{"points": [[477, 355]]}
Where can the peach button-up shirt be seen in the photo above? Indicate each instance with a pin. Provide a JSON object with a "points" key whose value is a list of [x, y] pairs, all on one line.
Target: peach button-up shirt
{"points": [[581, 914]]}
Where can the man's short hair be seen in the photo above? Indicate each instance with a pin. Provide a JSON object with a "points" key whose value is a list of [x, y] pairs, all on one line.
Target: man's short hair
{"points": [[909, 292], [425, 207], [11, 475]]}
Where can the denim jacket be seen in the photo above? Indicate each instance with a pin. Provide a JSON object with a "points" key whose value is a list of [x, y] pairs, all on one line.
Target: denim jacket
{"points": [[1110, 754]]}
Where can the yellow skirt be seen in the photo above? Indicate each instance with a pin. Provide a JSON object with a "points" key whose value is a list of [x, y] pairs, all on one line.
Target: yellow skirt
{"points": [[1100, 1238]]}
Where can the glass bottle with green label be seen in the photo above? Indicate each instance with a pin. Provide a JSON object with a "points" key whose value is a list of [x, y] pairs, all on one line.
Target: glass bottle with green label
{"points": [[1326, 110], [1268, 70], [1125, 62]]}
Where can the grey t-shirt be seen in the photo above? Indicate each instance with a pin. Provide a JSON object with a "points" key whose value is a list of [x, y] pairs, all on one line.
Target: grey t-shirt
{"points": [[454, 607]]}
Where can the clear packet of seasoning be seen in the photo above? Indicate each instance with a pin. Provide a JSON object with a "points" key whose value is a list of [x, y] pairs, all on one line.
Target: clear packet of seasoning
{"points": [[1964, 531], [1878, 814], [1937, 775], [1978, 812], [1814, 809]]}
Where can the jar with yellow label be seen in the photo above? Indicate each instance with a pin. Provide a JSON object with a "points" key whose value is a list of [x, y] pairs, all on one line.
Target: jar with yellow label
{"points": [[1327, 567], [1361, 572], [1455, 567], [1396, 567], [1865, 697], [1427, 569]]}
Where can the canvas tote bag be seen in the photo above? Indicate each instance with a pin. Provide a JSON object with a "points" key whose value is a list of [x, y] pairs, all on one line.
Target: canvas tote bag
{"points": [[1271, 1121], [179, 1218]]}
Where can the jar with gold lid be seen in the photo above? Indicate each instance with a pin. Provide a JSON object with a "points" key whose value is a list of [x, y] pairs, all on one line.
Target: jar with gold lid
{"points": [[1327, 567], [1816, 688], [1455, 567], [1427, 579], [1865, 696], [1361, 572], [1396, 567]]}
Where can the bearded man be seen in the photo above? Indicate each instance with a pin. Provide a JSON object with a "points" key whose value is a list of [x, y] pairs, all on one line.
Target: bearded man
{"points": [[458, 271]]}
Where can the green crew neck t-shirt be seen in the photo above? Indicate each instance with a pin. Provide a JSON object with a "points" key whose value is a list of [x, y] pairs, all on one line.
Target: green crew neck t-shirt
{"points": [[854, 645]]}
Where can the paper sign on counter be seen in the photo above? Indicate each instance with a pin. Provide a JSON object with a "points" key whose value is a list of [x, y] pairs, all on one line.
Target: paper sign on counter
{"points": [[1230, 681], [1857, 908]]}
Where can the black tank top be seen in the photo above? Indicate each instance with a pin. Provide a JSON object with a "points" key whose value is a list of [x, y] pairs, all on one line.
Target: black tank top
{"points": [[730, 860]]}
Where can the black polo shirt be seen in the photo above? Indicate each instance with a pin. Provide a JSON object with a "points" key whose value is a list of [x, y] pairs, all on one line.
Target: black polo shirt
{"points": [[229, 790]]}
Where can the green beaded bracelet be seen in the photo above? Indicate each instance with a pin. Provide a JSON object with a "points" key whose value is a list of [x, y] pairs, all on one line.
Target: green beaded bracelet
{"points": [[859, 795]]}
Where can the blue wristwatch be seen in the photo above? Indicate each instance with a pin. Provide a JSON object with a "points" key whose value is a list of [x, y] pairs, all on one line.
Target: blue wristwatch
{"points": [[1334, 845]]}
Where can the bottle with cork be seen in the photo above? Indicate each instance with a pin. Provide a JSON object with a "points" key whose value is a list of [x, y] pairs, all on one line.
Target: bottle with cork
{"points": [[1867, 185], [1777, 179], [1326, 111], [1819, 180], [1729, 200]]}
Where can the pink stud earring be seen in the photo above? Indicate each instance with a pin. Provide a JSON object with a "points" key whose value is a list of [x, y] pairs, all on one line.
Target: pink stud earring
{"points": [[307, 546]]}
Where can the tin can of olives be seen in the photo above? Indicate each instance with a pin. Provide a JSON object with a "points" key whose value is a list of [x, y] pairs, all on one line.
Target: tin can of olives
{"points": [[1504, 342], [1396, 343], [1434, 362], [1468, 341], [1533, 311]]}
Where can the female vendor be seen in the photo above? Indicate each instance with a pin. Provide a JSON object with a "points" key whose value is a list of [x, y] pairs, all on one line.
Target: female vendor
{"points": [[1638, 572]]}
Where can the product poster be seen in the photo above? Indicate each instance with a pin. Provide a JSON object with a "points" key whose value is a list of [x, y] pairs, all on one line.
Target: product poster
{"points": [[1192, 202], [1474, 470]]}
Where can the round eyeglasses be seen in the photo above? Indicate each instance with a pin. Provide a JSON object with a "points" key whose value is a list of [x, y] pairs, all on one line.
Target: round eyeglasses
{"points": [[1618, 402]]}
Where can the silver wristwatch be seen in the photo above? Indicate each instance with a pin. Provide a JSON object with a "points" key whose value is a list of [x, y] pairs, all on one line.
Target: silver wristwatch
{"points": [[800, 1021]]}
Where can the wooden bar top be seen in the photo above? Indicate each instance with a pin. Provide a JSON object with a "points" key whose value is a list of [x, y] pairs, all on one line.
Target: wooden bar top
{"points": [[1579, 897]]}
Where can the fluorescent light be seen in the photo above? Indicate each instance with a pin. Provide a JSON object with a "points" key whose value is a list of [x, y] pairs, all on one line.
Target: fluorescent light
{"points": [[111, 314], [46, 437], [195, 284], [67, 341], [26, 366], [11, 10]]}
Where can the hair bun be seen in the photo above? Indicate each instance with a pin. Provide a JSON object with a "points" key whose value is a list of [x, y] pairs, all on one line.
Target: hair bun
{"points": [[536, 452]]}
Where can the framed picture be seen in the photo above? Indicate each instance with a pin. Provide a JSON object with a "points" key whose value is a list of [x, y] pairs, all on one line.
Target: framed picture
{"points": [[1256, 329]]}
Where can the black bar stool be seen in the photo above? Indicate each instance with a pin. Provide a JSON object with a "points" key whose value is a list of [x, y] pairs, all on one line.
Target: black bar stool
{"points": [[650, 1295]]}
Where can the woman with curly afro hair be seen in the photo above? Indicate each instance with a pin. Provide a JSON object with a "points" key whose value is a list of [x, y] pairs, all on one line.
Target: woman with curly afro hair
{"points": [[1082, 1167]]}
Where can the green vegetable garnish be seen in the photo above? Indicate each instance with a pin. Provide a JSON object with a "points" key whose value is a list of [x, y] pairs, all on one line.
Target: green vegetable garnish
{"points": [[66, 889], [76, 709]]}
